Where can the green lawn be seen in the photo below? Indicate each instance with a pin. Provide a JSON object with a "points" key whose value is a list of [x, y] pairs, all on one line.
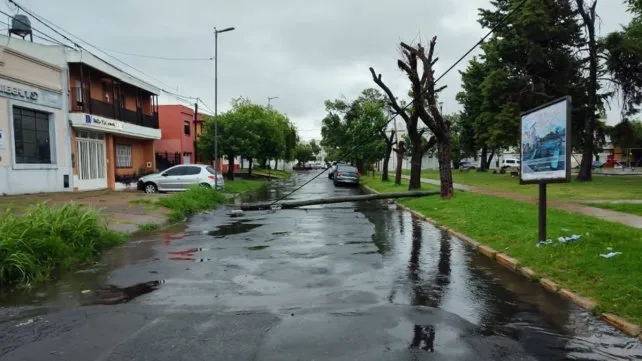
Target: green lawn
{"points": [[631, 208], [243, 185], [602, 187], [511, 227], [272, 172]]}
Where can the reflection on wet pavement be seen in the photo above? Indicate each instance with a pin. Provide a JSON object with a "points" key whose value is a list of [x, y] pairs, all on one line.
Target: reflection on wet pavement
{"points": [[347, 282], [113, 295]]}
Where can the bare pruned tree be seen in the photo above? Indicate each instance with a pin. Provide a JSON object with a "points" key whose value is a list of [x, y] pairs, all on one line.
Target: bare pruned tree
{"points": [[417, 64]]}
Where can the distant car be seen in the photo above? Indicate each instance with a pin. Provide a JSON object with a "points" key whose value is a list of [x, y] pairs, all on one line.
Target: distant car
{"points": [[466, 165], [181, 177], [618, 165], [346, 174], [597, 164], [508, 163], [333, 169]]}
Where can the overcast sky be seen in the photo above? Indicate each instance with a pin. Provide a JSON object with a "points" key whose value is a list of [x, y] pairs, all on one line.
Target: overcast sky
{"points": [[302, 52]]}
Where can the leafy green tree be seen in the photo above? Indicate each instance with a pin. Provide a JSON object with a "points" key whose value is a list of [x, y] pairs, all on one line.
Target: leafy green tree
{"points": [[352, 131], [530, 60], [316, 148], [304, 153], [236, 135]]}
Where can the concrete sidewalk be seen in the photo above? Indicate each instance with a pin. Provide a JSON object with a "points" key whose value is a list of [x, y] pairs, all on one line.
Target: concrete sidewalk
{"points": [[123, 211], [630, 220]]}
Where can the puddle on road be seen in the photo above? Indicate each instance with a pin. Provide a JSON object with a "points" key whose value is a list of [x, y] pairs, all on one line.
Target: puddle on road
{"points": [[114, 295], [233, 228]]}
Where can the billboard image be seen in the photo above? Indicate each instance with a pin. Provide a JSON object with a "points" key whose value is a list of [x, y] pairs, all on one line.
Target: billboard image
{"points": [[545, 143]]}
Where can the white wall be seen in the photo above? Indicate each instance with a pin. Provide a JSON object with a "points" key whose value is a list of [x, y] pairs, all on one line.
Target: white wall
{"points": [[25, 72]]}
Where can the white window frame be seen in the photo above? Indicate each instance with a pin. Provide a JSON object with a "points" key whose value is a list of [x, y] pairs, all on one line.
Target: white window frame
{"points": [[131, 158], [52, 136]]}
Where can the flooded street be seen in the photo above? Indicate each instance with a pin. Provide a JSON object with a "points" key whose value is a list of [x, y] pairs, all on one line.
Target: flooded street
{"points": [[335, 282]]}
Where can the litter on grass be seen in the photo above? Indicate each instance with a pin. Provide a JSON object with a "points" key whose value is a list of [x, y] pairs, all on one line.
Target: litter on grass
{"points": [[563, 240], [609, 255]]}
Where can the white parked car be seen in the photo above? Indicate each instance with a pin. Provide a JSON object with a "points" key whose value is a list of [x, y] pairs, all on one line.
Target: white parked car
{"points": [[180, 177], [508, 163]]}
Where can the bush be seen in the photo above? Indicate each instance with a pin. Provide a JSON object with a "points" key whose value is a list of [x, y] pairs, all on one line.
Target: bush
{"points": [[44, 240], [190, 202]]}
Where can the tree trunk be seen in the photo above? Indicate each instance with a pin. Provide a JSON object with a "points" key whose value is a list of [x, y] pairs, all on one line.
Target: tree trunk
{"points": [[587, 153], [230, 167], [490, 158], [361, 166], [250, 161], [445, 172], [386, 161], [399, 166], [241, 163], [276, 164], [484, 153], [417, 152]]}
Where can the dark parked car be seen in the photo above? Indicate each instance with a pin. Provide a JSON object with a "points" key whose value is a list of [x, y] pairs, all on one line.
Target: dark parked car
{"points": [[466, 165], [346, 174]]}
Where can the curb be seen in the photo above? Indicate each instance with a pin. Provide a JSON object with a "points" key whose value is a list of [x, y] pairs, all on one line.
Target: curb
{"points": [[512, 264]]}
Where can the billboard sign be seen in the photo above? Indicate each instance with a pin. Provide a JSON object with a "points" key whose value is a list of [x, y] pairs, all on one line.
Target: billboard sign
{"points": [[546, 143]]}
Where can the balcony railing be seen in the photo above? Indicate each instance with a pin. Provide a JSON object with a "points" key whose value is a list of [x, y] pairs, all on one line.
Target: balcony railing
{"points": [[109, 110]]}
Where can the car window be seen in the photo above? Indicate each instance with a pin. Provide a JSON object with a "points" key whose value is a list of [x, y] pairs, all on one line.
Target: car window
{"points": [[211, 170], [192, 170], [510, 161], [175, 171], [348, 169]]}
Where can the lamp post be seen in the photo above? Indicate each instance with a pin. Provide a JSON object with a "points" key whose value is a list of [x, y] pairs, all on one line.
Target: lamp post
{"points": [[271, 98], [216, 32]]}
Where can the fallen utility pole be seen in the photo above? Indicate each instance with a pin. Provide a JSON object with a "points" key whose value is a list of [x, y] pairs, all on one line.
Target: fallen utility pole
{"points": [[361, 198]]}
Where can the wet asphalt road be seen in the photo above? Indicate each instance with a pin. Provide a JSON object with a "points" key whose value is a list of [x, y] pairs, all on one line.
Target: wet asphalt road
{"points": [[335, 282]]}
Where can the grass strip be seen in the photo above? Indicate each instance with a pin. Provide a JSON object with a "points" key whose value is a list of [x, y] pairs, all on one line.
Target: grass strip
{"points": [[511, 227], [631, 208], [42, 241], [601, 187]]}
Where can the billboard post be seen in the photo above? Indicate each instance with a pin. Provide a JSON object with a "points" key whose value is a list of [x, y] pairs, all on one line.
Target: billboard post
{"points": [[545, 149]]}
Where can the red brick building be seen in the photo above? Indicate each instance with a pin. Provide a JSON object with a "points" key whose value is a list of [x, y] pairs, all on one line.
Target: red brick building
{"points": [[177, 144]]}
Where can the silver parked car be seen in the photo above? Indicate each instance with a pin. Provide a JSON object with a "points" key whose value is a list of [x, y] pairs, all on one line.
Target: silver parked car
{"points": [[345, 174], [180, 178]]}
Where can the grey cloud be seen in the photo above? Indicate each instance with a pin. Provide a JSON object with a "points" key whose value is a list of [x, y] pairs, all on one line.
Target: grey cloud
{"points": [[301, 51]]}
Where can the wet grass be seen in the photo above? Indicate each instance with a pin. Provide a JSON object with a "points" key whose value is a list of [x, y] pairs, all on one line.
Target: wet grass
{"points": [[190, 202], [511, 227], [632, 208], [602, 187], [243, 185], [42, 241], [148, 227], [272, 172]]}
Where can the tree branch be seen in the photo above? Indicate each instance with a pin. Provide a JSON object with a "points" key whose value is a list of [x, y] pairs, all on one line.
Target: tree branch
{"points": [[431, 143], [391, 97]]}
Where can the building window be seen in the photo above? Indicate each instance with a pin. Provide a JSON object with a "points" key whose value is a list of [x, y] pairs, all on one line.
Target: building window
{"points": [[32, 136], [186, 128], [123, 156]]}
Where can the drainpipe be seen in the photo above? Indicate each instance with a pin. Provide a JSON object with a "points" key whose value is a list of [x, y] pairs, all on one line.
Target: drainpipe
{"points": [[65, 79]]}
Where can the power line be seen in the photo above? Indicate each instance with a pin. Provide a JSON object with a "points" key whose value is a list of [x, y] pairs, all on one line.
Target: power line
{"points": [[157, 57], [58, 30], [47, 36], [492, 30]]}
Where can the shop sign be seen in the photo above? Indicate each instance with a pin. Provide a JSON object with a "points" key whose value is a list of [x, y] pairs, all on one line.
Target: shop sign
{"points": [[18, 91], [103, 122]]}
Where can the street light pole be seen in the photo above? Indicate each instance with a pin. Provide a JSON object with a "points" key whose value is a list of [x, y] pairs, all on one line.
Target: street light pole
{"points": [[216, 32], [270, 98]]}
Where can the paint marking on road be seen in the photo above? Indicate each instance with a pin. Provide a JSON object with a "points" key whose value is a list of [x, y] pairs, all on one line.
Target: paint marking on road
{"points": [[131, 336]]}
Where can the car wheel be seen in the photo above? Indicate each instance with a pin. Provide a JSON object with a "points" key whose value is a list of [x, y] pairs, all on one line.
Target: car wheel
{"points": [[151, 188], [336, 184], [205, 185]]}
